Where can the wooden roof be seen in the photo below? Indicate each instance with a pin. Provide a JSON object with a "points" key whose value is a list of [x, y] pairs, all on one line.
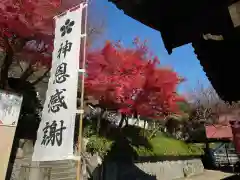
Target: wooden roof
{"points": [[212, 26], [219, 132], [220, 61], [180, 22]]}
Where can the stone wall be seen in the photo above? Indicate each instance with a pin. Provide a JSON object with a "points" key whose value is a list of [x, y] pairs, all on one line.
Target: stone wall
{"points": [[164, 170], [25, 169]]}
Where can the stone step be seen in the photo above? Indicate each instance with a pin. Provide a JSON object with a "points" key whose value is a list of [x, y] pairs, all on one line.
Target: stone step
{"points": [[59, 162], [56, 169], [63, 174], [60, 169], [69, 164], [64, 178]]}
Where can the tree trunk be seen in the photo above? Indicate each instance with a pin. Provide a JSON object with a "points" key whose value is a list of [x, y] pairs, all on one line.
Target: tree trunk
{"points": [[126, 121], [8, 60], [207, 162], [123, 116], [155, 130], [144, 127], [100, 113]]}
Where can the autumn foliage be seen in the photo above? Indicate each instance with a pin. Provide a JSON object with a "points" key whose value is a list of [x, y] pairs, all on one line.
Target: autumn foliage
{"points": [[31, 18], [31, 22], [130, 80], [126, 79], [27, 32]]}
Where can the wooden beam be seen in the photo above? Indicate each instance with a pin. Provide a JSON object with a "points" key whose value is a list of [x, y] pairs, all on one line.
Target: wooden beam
{"points": [[234, 11]]}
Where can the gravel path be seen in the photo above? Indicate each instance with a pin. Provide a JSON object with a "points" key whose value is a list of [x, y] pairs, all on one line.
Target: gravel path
{"points": [[213, 175]]}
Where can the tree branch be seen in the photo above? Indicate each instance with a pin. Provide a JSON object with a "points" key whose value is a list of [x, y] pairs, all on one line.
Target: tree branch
{"points": [[28, 72], [41, 78], [19, 64], [8, 60]]}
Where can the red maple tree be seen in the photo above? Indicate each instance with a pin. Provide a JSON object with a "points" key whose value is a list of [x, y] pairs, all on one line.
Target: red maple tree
{"points": [[32, 18], [130, 81], [26, 34]]}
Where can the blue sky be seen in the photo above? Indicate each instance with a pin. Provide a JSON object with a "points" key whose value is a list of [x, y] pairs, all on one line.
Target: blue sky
{"points": [[183, 60]]}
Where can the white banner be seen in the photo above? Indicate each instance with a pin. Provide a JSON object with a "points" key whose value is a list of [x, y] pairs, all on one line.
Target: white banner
{"points": [[56, 131], [10, 106]]}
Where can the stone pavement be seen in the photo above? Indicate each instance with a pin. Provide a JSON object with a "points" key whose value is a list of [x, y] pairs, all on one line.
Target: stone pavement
{"points": [[213, 175]]}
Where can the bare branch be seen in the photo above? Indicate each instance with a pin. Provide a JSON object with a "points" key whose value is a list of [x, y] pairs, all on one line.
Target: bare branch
{"points": [[27, 73], [207, 106], [19, 64], [41, 77]]}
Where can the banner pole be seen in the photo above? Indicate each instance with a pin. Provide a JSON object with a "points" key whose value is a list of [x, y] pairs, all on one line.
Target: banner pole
{"points": [[79, 162]]}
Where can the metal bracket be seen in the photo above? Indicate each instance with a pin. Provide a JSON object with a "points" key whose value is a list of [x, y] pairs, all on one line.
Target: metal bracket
{"points": [[81, 70], [80, 111], [83, 35], [76, 158]]}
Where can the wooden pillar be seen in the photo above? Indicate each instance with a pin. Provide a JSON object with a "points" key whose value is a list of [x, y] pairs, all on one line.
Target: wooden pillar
{"points": [[35, 171], [8, 151]]}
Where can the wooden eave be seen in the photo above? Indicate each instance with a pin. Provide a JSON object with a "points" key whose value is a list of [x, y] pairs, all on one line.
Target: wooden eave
{"points": [[180, 22], [212, 26]]}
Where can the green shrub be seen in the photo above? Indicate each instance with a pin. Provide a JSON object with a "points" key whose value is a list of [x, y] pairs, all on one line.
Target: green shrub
{"points": [[88, 131], [98, 145], [143, 151], [160, 145], [195, 150]]}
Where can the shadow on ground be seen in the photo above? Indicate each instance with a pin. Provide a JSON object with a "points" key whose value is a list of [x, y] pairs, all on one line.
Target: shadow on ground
{"points": [[234, 177], [119, 163]]}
